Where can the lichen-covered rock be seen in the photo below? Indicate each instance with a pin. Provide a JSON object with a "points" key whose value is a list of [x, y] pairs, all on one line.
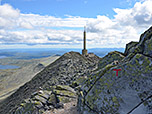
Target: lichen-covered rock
{"points": [[148, 47], [53, 100], [128, 93], [40, 101], [111, 57], [27, 108], [143, 47], [64, 93], [129, 46], [40, 98], [36, 104], [112, 94]]}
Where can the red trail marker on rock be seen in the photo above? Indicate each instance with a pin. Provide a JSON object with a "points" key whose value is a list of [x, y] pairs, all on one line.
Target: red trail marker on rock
{"points": [[116, 71]]}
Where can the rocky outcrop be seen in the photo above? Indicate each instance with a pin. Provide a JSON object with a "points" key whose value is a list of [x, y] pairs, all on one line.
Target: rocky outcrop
{"points": [[42, 100], [130, 91], [114, 57], [148, 47], [92, 57], [129, 46], [143, 46], [63, 71]]}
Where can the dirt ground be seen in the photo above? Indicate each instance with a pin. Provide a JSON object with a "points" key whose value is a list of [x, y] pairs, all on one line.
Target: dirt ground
{"points": [[69, 108]]}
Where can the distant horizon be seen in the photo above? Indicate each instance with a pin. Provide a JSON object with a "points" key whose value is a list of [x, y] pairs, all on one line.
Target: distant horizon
{"points": [[29, 53], [60, 48]]}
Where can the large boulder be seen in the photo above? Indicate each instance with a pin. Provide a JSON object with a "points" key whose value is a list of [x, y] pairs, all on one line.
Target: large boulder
{"points": [[112, 94], [129, 46], [109, 58], [129, 92], [143, 47]]}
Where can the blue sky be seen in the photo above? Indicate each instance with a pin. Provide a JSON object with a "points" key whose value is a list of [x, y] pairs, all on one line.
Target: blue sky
{"points": [[59, 23], [60, 8]]}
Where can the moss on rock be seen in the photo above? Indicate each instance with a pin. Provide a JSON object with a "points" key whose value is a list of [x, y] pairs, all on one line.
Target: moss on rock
{"points": [[148, 47], [111, 57], [129, 46], [107, 95]]}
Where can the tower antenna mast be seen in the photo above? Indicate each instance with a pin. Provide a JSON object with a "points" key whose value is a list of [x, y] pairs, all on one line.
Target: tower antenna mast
{"points": [[84, 51]]}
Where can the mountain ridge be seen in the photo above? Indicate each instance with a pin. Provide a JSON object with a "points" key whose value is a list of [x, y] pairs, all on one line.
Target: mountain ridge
{"points": [[66, 67]]}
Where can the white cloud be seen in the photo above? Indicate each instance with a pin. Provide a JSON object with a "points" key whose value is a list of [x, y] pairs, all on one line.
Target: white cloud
{"points": [[11, 18], [100, 24], [138, 16], [26, 25], [50, 21], [37, 36], [6, 11], [8, 16], [126, 26]]}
